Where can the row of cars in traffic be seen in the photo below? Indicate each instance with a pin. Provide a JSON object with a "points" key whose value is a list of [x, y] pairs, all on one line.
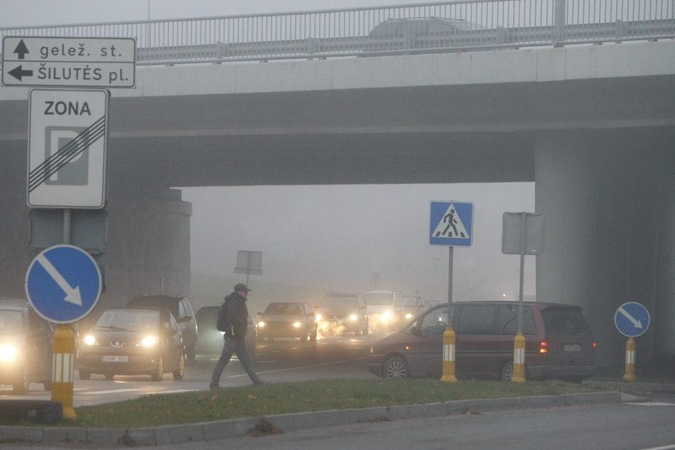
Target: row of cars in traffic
{"points": [[151, 335], [155, 334]]}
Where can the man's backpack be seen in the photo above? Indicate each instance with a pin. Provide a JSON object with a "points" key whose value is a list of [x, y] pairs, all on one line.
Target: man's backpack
{"points": [[223, 322]]}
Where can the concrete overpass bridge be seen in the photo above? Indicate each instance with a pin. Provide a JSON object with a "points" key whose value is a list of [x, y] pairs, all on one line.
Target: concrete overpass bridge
{"points": [[593, 125]]}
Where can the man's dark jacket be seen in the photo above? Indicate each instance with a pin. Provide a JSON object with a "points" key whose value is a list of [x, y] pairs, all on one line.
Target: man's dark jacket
{"points": [[237, 315]]}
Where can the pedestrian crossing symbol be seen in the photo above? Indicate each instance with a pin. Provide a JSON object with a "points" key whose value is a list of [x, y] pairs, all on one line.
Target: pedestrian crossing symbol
{"points": [[451, 224]]}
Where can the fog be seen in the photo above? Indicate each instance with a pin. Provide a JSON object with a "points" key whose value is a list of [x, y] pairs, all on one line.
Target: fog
{"points": [[342, 238]]}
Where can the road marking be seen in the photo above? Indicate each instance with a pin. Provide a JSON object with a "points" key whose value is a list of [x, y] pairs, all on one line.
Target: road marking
{"points": [[72, 294], [113, 391], [302, 367], [665, 447], [651, 404]]}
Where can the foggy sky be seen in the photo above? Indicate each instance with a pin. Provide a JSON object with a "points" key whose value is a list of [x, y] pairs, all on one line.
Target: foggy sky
{"points": [[17, 13], [334, 236], [337, 236]]}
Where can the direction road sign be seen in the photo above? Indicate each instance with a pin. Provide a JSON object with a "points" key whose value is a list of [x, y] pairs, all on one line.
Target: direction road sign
{"points": [[63, 283], [67, 148], [451, 224], [632, 319], [68, 61]]}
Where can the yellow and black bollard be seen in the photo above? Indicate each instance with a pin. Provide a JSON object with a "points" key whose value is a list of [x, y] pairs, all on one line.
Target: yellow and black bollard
{"points": [[449, 356], [63, 369], [629, 375], [518, 359]]}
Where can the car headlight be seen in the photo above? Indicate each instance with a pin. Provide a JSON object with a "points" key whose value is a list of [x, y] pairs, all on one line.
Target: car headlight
{"points": [[148, 341], [387, 315], [8, 353], [319, 317], [353, 317], [90, 340], [408, 316], [297, 324], [261, 324]]}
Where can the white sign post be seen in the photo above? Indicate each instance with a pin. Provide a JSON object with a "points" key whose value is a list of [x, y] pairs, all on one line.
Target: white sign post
{"points": [[67, 148], [68, 61]]}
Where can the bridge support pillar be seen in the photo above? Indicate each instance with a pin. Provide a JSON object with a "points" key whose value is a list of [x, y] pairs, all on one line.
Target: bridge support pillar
{"points": [[608, 200]]}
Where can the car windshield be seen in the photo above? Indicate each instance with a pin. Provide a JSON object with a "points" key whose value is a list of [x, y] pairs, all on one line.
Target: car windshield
{"points": [[10, 322], [338, 302], [374, 298], [283, 309], [128, 320]]}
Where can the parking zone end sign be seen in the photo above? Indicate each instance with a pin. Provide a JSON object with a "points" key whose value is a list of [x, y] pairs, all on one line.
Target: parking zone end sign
{"points": [[67, 148]]}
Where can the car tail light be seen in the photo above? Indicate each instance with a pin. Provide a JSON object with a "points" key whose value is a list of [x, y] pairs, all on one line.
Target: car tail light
{"points": [[595, 345], [543, 347]]}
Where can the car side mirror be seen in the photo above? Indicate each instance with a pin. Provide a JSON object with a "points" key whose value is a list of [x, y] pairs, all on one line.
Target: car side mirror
{"points": [[185, 319], [416, 331]]}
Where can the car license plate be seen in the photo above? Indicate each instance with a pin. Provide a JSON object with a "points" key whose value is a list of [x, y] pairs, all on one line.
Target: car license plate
{"points": [[115, 358], [571, 348]]}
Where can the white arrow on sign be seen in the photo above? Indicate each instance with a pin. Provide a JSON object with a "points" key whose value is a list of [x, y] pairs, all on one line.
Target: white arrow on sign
{"points": [[636, 323], [72, 294]]}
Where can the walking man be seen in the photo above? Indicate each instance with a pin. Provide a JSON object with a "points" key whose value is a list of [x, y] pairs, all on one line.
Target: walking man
{"points": [[235, 334]]}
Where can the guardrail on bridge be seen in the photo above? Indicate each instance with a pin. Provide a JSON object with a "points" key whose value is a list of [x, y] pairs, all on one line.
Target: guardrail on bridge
{"points": [[423, 28]]}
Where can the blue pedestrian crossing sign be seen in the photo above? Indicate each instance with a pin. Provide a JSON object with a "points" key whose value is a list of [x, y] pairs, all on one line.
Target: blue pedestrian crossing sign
{"points": [[63, 283], [632, 319], [451, 224]]}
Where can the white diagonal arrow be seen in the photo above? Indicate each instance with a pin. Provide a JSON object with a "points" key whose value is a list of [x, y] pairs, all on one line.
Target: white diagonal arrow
{"points": [[636, 323], [72, 294]]}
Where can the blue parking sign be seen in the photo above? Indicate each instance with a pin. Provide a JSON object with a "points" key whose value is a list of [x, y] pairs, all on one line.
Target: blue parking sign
{"points": [[63, 283]]}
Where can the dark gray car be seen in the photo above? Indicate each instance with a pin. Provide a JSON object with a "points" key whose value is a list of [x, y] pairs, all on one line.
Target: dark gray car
{"points": [[182, 311]]}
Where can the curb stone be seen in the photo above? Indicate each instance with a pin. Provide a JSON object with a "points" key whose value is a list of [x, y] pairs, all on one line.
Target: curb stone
{"points": [[207, 431]]}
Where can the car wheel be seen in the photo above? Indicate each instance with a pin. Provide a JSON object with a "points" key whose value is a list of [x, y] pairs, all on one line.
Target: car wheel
{"points": [[192, 354], [396, 368], [180, 369], [47, 385], [22, 386], [507, 371], [85, 374], [159, 371]]}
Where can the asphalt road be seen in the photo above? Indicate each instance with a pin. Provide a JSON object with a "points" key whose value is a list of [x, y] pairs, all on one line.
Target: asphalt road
{"points": [[625, 426], [285, 360]]}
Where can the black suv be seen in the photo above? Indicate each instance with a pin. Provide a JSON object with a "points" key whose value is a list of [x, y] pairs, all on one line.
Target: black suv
{"points": [[182, 311]]}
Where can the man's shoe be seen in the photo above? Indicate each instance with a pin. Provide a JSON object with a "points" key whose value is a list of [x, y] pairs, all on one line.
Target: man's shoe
{"points": [[214, 387], [261, 383]]}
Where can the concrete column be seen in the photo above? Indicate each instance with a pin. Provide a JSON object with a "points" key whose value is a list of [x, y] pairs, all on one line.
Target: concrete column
{"points": [[600, 196]]}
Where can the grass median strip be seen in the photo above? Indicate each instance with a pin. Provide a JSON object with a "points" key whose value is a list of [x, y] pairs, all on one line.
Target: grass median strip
{"points": [[283, 398]]}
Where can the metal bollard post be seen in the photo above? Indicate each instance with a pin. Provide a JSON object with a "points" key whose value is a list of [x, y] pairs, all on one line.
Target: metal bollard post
{"points": [[518, 359], [63, 369], [629, 375], [449, 356]]}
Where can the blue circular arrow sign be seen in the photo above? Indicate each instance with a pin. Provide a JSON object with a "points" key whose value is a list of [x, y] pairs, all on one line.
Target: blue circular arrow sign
{"points": [[631, 319], [63, 283]]}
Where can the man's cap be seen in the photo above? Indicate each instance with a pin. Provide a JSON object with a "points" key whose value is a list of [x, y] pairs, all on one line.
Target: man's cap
{"points": [[241, 287]]}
